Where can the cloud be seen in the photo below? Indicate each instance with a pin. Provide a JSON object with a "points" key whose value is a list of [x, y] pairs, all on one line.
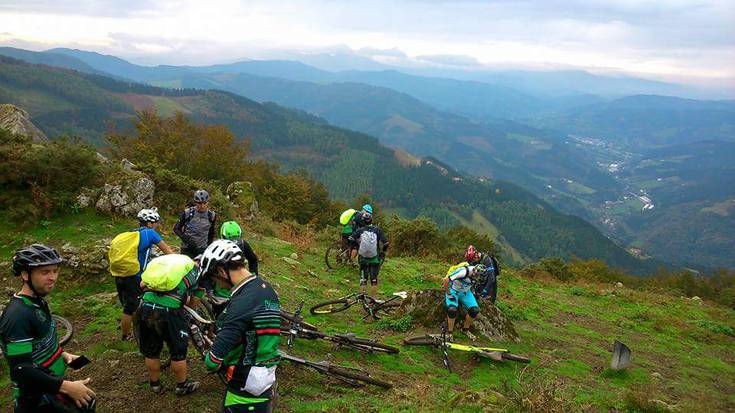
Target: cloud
{"points": [[673, 37], [450, 60]]}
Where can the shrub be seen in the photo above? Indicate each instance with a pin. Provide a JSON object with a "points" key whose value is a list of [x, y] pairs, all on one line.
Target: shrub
{"points": [[414, 237], [400, 325]]}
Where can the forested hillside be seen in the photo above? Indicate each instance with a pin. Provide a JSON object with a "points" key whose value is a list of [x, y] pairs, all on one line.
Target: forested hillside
{"points": [[349, 163]]}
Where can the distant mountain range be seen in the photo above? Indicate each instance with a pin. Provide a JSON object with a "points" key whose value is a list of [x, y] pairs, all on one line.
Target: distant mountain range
{"points": [[349, 163], [574, 151]]}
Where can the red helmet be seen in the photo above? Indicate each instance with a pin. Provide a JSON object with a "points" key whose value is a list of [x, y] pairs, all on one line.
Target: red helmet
{"points": [[471, 254]]}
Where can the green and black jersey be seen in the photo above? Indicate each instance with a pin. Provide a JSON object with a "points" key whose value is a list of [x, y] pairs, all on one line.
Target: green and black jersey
{"points": [[248, 332], [30, 345], [177, 297]]}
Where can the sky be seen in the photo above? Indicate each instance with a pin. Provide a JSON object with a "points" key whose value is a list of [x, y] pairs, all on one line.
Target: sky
{"points": [[687, 41]]}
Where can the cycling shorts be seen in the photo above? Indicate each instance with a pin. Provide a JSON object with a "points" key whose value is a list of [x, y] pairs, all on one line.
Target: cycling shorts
{"points": [[467, 299], [129, 292], [156, 325]]}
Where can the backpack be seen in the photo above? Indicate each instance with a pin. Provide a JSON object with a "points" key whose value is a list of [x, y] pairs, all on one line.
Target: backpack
{"points": [[368, 244], [190, 214], [123, 254], [164, 273], [454, 268], [346, 216]]}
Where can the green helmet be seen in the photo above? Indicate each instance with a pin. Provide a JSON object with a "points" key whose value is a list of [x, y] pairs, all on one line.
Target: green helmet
{"points": [[230, 230]]}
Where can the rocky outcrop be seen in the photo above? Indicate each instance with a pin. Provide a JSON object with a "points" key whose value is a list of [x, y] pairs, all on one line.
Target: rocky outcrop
{"points": [[87, 260], [17, 121], [126, 196], [427, 308], [242, 197]]}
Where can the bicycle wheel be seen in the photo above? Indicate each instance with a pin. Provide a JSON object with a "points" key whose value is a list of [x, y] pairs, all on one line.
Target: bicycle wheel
{"points": [[424, 340], [333, 306], [515, 357], [371, 345], [362, 378], [335, 257], [64, 329], [290, 318]]}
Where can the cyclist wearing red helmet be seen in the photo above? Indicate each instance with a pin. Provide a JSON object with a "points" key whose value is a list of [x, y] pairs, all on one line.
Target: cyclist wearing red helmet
{"points": [[487, 284]]}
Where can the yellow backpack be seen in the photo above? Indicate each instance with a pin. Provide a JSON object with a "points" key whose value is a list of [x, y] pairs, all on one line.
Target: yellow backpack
{"points": [[455, 267], [123, 254], [164, 273], [346, 216]]}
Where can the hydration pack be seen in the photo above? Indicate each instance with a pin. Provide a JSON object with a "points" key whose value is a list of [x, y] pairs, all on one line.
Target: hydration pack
{"points": [[123, 254], [368, 244]]}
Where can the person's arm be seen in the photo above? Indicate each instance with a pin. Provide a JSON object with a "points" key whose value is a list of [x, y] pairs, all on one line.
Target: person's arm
{"points": [[228, 337], [445, 285], [356, 234], [213, 222], [251, 257], [179, 226], [165, 248]]}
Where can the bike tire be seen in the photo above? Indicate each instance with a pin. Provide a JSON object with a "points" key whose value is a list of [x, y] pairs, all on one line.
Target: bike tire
{"points": [[292, 318], [68, 329], [419, 341], [360, 377], [371, 345], [332, 256], [515, 357], [332, 306]]}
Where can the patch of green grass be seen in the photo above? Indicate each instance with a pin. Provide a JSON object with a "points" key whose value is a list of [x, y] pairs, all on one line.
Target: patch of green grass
{"points": [[401, 324], [716, 328]]}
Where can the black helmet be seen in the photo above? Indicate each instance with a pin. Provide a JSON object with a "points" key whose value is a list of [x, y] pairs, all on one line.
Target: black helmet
{"points": [[36, 255], [201, 196]]}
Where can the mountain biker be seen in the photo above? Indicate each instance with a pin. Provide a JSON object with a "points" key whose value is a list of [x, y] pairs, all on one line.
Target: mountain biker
{"points": [[231, 230], [356, 222], [128, 288], [248, 331], [372, 247], [196, 225], [160, 318], [457, 287], [28, 340], [486, 285]]}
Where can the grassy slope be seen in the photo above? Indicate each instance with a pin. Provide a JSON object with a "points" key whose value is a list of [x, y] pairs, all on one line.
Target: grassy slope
{"points": [[567, 330]]}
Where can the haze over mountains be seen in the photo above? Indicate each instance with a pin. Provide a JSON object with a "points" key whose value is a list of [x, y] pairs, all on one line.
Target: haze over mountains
{"points": [[635, 166]]}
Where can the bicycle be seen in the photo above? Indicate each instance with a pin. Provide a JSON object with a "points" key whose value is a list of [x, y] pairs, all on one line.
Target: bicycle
{"points": [[295, 329], [64, 328], [337, 255], [440, 341], [349, 375], [209, 301], [373, 307]]}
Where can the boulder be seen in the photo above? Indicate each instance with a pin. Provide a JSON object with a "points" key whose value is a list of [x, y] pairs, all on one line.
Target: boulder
{"points": [[126, 194], [87, 197], [427, 308], [16, 120], [242, 196], [89, 260]]}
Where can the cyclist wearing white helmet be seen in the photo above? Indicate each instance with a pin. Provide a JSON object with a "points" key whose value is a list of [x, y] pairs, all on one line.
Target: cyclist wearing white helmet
{"points": [[128, 287], [248, 330]]}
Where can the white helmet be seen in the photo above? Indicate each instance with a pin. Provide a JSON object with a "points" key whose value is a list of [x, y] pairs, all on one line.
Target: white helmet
{"points": [[219, 252], [149, 215]]}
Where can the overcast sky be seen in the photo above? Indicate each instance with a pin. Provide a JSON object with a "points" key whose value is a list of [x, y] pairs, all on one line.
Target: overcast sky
{"points": [[683, 40]]}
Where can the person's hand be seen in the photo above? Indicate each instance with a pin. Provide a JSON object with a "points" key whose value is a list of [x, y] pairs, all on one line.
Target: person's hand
{"points": [[68, 357], [78, 391]]}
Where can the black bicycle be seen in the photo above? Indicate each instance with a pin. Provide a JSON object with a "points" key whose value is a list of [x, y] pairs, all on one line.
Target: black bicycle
{"points": [[296, 329], [352, 376], [373, 307], [337, 255]]}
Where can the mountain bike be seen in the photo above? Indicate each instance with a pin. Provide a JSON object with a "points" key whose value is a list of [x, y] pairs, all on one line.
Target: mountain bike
{"points": [[440, 341], [210, 302], [373, 307], [295, 329], [338, 255], [349, 375], [64, 328]]}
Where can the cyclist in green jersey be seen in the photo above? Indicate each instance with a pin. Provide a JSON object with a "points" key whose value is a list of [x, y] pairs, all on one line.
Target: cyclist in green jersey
{"points": [[160, 318], [29, 342], [248, 331]]}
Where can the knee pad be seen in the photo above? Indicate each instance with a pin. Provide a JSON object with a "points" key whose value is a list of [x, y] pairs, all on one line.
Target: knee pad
{"points": [[473, 311], [452, 312]]}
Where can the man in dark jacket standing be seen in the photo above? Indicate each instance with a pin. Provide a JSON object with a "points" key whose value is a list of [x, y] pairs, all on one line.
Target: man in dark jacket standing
{"points": [[196, 226]]}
